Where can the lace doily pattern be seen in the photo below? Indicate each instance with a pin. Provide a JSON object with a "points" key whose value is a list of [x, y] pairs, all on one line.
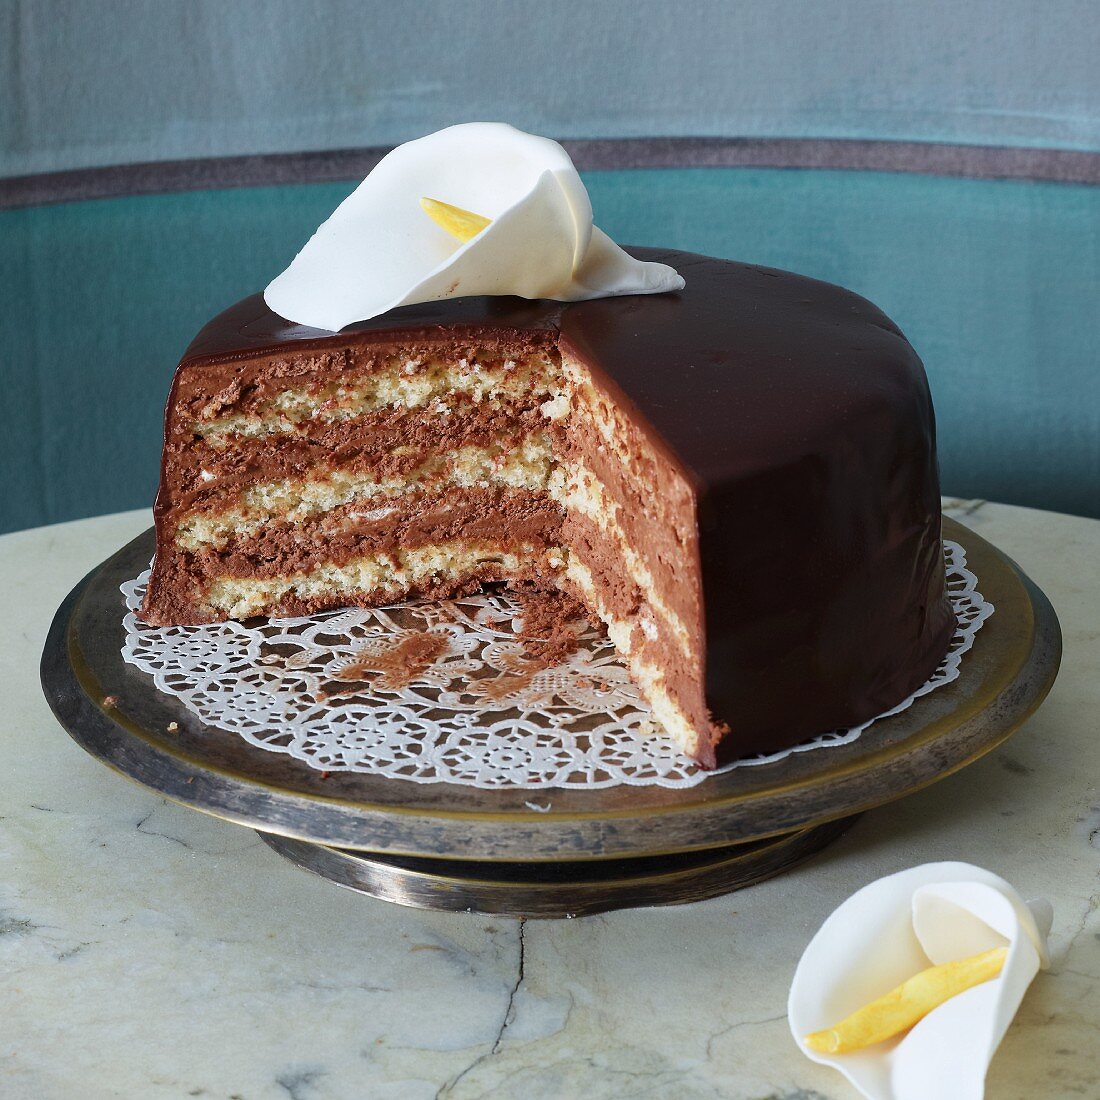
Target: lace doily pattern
{"points": [[444, 692]]}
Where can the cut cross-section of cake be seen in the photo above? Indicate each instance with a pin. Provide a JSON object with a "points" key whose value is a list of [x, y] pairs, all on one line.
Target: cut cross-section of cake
{"points": [[739, 479]]}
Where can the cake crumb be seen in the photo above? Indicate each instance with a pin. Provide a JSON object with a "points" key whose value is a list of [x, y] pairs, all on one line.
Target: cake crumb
{"points": [[173, 726], [110, 700], [551, 622]]}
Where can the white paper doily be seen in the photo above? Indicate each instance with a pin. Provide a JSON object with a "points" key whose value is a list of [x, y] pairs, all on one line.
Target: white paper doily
{"points": [[335, 691]]}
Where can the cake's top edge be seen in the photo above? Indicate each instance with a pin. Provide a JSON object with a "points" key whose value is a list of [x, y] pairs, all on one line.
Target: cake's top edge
{"points": [[746, 369], [250, 327]]}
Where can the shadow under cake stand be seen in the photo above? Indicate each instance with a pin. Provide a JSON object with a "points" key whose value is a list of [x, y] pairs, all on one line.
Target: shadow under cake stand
{"points": [[444, 846]]}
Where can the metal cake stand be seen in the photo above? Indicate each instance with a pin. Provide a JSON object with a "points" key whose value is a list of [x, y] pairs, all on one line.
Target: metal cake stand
{"points": [[444, 846]]}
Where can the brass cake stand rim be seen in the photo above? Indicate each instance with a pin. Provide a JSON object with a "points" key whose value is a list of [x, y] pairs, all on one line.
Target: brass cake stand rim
{"points": [[928, 733], [95, 693], [1035, 602]]}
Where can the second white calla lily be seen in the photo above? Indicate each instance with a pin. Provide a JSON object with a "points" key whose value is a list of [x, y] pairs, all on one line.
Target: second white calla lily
{"points": [[891, 930], [379, 250]]}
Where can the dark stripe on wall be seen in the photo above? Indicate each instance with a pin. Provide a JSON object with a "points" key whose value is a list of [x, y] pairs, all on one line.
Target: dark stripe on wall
{"points": [[969, 161]]}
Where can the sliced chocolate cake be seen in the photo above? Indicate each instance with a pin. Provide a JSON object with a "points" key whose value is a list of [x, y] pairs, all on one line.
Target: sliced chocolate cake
{"points": [[738, 478]]}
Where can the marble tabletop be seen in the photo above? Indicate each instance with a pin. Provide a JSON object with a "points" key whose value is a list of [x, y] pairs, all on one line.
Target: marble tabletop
{"points": [[150, 951]]}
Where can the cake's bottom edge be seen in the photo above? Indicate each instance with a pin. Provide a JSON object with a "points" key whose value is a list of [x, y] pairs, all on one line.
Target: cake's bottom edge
{"points": [[451, 571], [174, 598]]}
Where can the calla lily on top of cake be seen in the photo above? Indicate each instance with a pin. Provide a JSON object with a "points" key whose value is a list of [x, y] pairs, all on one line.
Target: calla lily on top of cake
{"points": [[909, 987], [480, 208]]}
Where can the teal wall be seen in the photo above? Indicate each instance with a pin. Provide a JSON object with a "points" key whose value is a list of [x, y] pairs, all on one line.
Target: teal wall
{"points": [[92, 82], [996, 283]]}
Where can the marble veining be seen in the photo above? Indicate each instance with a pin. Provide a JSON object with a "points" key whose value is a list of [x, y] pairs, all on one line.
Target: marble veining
{"points": [[149, 951]]}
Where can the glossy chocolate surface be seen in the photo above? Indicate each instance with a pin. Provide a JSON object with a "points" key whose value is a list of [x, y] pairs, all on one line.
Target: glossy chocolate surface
{"points": [[802, 417]]}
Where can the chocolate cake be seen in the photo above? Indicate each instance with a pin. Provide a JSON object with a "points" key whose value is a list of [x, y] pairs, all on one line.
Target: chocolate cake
{"points": [[739, 479]]}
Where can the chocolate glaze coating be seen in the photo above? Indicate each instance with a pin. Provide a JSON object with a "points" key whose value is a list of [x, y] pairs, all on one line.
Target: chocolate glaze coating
{"points": [[802, 417]]}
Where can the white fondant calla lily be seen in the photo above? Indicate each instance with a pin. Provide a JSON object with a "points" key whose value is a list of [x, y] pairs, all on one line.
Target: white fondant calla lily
{"points": [[891, 930], [379, 250]]}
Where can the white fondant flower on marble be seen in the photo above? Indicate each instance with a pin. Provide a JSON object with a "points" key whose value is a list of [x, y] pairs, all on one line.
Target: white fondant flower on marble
{"points": [[382, 248], [941, 955]]}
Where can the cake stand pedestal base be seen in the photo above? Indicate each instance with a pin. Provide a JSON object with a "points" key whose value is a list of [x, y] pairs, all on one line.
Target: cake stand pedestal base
{"points": [[568, 888]]}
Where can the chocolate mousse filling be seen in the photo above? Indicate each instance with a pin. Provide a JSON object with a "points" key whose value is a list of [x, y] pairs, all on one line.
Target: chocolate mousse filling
{"points": [[483, 516], [380, 445]]}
